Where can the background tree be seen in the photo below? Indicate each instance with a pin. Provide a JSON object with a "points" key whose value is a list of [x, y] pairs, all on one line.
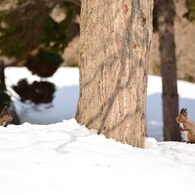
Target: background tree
{"points": [[166, 14], [28, 26], [4, 97], [114, 46]]}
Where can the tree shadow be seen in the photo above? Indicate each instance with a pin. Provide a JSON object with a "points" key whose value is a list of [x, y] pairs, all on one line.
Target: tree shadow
{"points": [[62, 108]]}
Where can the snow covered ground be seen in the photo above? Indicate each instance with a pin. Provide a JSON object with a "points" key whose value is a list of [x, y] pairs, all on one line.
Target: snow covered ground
{"points": [[66, 158]]}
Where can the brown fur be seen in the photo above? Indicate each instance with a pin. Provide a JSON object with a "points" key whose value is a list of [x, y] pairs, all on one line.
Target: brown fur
{"points": [[186, 125], [5, 117]]}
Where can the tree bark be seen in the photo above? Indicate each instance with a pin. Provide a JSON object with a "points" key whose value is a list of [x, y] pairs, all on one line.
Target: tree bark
{"points": [[2, 73], [166, 13], [115, 39]]}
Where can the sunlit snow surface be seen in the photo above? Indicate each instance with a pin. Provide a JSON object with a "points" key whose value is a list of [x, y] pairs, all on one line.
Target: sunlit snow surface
{"points": [[66, 158]]}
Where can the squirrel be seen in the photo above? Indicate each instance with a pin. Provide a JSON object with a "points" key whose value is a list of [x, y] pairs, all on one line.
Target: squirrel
{"points": [[5, 117], [186, 126]]}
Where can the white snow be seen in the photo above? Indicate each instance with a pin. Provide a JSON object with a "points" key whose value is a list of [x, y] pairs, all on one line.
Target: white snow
{"points": [[67, 158], [65, 101]]}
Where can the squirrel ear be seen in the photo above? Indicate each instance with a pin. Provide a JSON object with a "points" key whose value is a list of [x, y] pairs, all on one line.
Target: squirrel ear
{"points": [[184, 111]]}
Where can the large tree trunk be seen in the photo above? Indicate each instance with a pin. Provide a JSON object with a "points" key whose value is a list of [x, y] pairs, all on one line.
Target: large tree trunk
{"points": [[114, 46], [166, 13]]}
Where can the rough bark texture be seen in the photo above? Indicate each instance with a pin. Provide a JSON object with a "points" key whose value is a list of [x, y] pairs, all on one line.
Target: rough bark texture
{"points": [[114, 46], [166, 13]]}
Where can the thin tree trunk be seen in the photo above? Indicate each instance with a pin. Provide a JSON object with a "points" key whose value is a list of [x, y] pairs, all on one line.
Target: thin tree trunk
{"points": [[114, 47], [166, 13], [2, 73]]}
